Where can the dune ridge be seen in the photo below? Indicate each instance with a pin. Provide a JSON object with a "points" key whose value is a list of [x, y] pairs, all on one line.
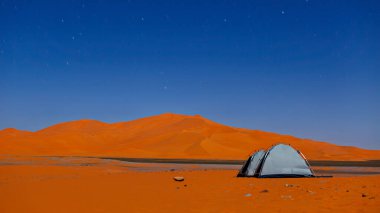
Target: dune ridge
{"points": [[163, 136]]}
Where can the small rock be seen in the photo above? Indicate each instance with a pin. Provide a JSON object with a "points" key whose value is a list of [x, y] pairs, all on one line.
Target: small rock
{"points": [[248, 195], [185, 185], [347, 190], [364, 195], [310, 192], [288, 185], [172, 170], [286, 197], [264, 191], [179, 178], [371, 198]]}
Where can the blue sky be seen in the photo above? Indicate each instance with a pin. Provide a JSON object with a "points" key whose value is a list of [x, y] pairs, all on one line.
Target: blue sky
{"points": [[305, 68]]}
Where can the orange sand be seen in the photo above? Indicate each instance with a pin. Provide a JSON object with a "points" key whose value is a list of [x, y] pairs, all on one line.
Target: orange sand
{"points": [[111, 188], [163, 136]]}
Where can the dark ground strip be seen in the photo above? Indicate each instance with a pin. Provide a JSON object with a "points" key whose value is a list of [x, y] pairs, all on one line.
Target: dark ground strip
{"points": [[370, 163]]}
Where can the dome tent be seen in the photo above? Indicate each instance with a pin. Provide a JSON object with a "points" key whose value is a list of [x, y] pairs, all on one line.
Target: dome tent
{"points": [[279, 161]]}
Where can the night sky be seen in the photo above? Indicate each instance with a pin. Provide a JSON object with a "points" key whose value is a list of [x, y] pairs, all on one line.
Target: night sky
{"points": [[306, 68]]}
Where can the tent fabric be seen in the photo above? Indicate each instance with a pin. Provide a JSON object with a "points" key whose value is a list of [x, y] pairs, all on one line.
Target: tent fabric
{"points": [[279, 161], [255, 161], [250, 166], [242, 172]]}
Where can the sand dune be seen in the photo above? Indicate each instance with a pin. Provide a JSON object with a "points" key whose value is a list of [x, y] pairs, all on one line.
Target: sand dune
{"points": [[163, 136]]}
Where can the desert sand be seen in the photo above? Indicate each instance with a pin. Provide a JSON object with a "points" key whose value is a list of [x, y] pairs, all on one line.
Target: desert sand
{"points": [[89, 186], [164, 136]]}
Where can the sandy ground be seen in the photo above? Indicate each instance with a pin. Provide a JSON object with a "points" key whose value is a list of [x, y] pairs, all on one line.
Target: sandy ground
{"points": [[75, 186]]}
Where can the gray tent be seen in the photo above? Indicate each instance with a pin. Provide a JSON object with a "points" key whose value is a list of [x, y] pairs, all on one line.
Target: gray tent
{"points": [[279, 161]]}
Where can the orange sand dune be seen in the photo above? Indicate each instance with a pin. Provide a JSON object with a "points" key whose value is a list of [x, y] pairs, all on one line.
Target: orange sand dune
{"points": [[163, 136]]}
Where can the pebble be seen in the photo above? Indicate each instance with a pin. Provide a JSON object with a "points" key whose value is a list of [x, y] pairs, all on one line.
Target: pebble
{"points": [[179, 178], [286, 197]]}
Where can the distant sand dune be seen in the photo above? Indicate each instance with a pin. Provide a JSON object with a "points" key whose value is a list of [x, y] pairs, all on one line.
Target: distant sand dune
{"points": [[164, 136]]}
